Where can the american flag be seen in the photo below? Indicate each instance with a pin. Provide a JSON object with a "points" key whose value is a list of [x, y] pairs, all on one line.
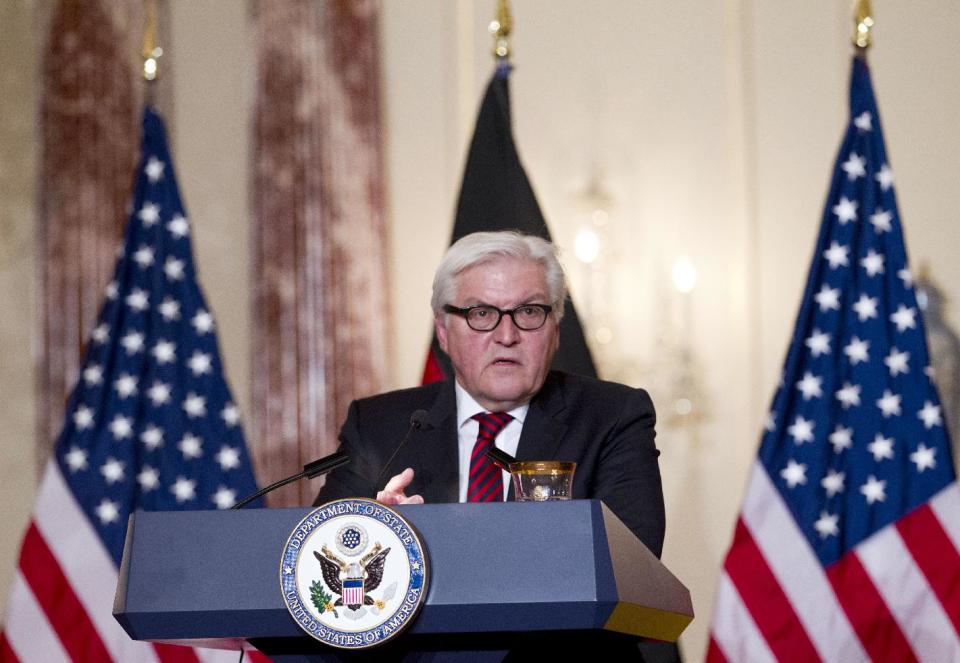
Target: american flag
{"points": [[150, 425], [846, 548]]}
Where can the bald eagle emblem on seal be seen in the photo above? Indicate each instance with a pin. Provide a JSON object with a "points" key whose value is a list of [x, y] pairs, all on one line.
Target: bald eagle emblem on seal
{"points": [[352, 580]]}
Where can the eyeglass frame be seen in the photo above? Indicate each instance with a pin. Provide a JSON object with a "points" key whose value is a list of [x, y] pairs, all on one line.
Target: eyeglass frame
{"points": [[465, 312]]}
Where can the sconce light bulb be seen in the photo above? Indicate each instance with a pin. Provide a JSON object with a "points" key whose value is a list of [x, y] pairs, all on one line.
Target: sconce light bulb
{"points": [[586, 245], [604, 335], [684, 275], [599, 217], [683, 406]]}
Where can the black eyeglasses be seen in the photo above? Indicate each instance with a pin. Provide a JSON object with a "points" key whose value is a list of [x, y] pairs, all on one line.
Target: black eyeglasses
{"points": [[483, 318]]}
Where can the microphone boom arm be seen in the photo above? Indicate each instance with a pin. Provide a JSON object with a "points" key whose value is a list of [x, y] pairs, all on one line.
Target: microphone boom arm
{"points": [[310, 470]]}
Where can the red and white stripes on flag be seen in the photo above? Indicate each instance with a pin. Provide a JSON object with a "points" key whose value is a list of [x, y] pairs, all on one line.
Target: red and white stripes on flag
{"points": [[61, 604], [891, 598], [353, 592]]}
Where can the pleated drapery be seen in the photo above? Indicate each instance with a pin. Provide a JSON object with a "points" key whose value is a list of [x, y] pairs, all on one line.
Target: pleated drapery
{"points": [[89, 132], [319, 233]]}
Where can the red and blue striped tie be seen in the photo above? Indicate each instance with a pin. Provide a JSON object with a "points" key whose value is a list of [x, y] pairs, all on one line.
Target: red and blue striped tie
{"points": [[486, 482]]}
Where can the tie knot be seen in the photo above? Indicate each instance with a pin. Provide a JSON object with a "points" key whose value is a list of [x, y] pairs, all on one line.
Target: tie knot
{"points": [[491, 423]]}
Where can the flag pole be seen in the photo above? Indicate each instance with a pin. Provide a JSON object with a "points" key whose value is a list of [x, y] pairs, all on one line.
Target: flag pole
{"points": [[500, 28], [151, 52], [863, 20]]}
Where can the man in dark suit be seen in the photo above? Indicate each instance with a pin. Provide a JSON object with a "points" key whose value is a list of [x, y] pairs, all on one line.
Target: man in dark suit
{"points": [[497, 301]]}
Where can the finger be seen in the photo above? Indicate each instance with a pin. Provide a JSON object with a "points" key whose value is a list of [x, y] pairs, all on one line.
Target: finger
{"points": [[413, 499], [389, 498], [399, 482]]}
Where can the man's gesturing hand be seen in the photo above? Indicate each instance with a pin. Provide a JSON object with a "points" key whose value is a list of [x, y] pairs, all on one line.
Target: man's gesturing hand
{"points": [[393, 492]]}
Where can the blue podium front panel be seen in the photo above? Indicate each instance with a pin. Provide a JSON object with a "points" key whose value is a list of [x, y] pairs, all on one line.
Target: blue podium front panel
{"points": [[504, 567]]}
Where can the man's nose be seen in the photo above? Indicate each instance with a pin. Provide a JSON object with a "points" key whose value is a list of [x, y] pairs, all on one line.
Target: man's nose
{"points": [[506, 333]]}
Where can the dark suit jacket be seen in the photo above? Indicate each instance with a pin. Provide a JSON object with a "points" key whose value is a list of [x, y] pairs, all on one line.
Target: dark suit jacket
{"points": [[607, 428]]}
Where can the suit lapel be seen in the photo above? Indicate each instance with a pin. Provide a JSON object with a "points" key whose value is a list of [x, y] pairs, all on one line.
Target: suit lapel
{"points": [[438, 466], [438, 469]]}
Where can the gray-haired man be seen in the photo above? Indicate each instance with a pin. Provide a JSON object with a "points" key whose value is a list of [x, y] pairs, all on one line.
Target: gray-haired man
{"points": [[497, 302]]}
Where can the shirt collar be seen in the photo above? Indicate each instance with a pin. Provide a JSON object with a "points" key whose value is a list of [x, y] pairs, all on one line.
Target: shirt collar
{"points": [[467, 406]]}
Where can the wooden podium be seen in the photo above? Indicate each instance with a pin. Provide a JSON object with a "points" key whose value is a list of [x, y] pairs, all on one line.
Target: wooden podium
{"points": [[502, 576]]}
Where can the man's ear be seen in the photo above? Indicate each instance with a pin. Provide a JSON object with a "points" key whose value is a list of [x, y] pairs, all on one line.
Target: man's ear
{"points": [[440, 327]]}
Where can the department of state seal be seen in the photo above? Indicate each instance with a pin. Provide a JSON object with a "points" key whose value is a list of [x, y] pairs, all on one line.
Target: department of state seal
{"points": [[353, 573]]}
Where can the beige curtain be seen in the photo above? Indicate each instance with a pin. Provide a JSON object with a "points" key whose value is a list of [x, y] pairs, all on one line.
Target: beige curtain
{"points": [[319, 234], [89, 106]]}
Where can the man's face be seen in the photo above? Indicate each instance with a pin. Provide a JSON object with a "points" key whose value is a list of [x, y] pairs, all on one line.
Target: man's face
{"points": [[503, 368]]}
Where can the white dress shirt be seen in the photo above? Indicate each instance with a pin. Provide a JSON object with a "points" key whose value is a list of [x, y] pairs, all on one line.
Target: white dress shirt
{"points": [[467, 429]]}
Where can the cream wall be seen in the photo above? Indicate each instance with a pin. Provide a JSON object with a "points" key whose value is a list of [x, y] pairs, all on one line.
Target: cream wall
{"points": [[209, 115], [712, 123], [18, 162]]}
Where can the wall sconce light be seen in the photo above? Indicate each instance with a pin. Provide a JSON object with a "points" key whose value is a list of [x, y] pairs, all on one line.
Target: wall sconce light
{"points": [[591, 248]]}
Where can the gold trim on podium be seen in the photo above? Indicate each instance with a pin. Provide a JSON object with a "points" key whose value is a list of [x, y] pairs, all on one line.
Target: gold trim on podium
{"points": [[639, 620]]}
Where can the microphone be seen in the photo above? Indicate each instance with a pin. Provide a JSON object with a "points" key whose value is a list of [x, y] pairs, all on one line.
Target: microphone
{"points": [[418, 420], [310, 470]]}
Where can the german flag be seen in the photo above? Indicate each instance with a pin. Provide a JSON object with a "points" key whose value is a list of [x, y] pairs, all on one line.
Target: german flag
{"points": [[496, 195]]}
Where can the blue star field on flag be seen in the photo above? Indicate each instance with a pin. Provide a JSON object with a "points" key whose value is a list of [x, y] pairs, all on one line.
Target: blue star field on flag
{"points": [[151, 423], [855, 438]]}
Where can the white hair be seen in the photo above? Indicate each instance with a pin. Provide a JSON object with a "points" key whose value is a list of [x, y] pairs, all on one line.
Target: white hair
{"points": [[481, 247]]}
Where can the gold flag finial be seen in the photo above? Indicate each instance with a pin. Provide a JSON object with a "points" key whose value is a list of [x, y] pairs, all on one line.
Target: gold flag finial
{"points": [[501, 27], [151, 52], [863, 19]]}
